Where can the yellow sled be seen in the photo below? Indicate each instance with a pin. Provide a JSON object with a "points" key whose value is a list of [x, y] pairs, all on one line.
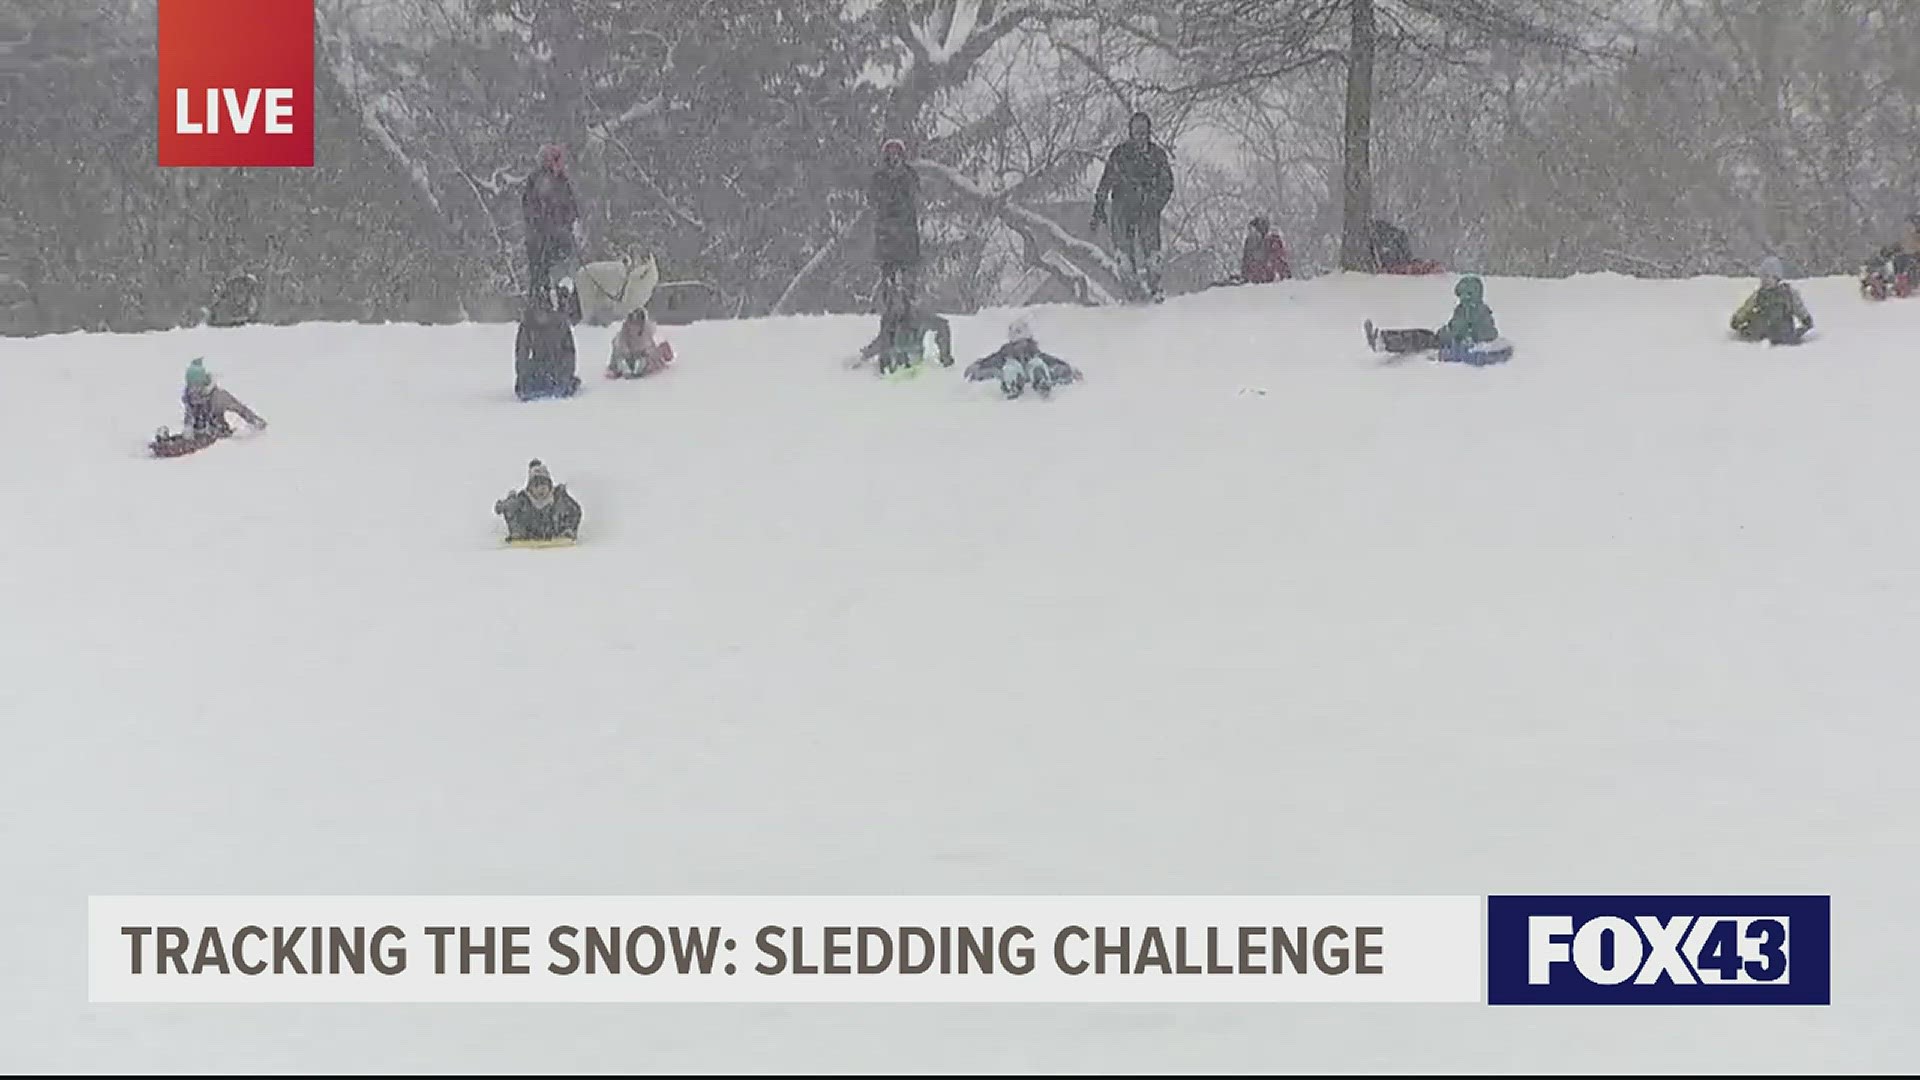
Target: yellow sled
{"points": [[556, 542]]}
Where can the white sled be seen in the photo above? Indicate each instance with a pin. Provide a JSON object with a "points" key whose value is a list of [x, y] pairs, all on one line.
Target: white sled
{"points": [[612, 290]]}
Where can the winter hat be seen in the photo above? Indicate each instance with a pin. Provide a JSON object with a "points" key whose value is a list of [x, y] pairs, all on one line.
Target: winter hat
{"points": [[537, 470], [1261, 224], [1773, 269], [894, 144], [1020, 330], [197, 373], [1470, 288]]}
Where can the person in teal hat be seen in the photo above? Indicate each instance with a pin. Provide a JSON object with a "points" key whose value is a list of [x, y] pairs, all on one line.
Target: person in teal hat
{"points": [[207, 405], [1472, 324]]}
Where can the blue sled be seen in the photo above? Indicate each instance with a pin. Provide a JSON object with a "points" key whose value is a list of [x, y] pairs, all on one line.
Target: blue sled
{"points": [[1483, 354]]}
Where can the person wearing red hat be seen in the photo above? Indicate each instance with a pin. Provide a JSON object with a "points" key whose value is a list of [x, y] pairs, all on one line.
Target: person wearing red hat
{"points": [[894, 196], [552, 218]]}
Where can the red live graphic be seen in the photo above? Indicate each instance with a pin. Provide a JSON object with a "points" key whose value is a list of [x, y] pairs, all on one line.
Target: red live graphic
{"points": [[236, 83]]}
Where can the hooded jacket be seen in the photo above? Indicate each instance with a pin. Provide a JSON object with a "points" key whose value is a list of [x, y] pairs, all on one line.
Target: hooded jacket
{"points": [[1472, 321]]}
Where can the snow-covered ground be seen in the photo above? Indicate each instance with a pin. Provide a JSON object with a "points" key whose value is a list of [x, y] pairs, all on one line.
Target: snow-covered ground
{"points": [[1636, 612]]}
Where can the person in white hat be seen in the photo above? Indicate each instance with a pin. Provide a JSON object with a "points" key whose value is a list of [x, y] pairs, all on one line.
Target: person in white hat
{"points": [[542, 510], [1020, 365], [1775, 311]]}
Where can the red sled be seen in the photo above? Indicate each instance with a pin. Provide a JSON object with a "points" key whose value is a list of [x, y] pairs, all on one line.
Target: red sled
{"points": [[1880, 287], [1415, 268], [665, 351]]}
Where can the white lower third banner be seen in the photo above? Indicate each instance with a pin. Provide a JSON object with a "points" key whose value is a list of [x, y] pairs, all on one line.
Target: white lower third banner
{"points": [[1166, 949]]}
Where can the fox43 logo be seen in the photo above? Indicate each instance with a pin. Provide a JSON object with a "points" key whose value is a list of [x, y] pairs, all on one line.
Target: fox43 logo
{"points": [[1658, 950]]}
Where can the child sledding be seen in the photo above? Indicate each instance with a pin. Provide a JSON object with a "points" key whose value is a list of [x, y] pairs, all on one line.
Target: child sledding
{"points": [[1894, 270], [204, 406], [1019, 365], [542, 514], [1470, 337], [636, 352], [1774, 313]]}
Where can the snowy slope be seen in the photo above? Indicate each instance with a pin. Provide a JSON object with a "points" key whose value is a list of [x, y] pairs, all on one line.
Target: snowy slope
{"points": [[1635, 612]]}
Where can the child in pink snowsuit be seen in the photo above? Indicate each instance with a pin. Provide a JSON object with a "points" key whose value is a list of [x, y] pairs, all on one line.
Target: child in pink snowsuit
{"points": [[635, 352]]}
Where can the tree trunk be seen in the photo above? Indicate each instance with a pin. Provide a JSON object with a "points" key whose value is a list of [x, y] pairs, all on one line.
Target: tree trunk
{"points": [[1356, 252]]}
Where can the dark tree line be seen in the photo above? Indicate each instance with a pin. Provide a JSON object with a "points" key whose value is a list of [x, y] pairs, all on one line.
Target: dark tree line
{"points": [[732, 139]]}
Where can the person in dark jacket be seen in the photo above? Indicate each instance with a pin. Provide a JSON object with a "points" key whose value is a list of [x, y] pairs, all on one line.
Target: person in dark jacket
{"points": [[1020, 364], [543, 355], [1472, 324], [1138, 180], [894, 196], [552, 218], [1775, 311], [542, 510]]}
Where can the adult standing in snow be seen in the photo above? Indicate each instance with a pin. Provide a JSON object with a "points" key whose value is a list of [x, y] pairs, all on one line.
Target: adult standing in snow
{"points": [[552, 218], [894, 196], [1138, 180]]}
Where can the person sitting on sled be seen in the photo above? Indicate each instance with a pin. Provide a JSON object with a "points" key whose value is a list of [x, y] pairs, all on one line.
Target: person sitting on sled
{"points": [[1472, 324], [542, 510], [1775, 311], [543, 356], [1020, 364], [1896, 268], [206, 405], [1263, 258], [636, 354]]}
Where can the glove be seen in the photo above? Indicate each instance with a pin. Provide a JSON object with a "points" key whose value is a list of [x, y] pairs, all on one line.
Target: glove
{"points": [[579, 237]]}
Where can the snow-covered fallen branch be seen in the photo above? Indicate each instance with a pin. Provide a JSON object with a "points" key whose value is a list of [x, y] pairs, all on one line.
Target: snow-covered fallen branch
{"points": [[1073, 249], [813, 264], [379, 111], [602, 131]]}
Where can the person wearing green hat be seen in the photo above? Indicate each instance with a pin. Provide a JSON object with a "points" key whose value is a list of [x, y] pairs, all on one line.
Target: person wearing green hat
{"points": [[1472, 324], [207, 404]]}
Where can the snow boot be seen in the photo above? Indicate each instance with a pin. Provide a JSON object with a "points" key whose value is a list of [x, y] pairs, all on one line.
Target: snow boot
{"points": [[1040, 377], [1013, 379]]}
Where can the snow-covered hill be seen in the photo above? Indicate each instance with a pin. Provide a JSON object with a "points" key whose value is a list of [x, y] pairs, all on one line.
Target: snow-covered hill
{"points": [[1635, 612]]}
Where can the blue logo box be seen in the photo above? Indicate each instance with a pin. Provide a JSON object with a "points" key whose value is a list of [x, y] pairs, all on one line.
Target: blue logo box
{"points": [[1659, 950]]}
